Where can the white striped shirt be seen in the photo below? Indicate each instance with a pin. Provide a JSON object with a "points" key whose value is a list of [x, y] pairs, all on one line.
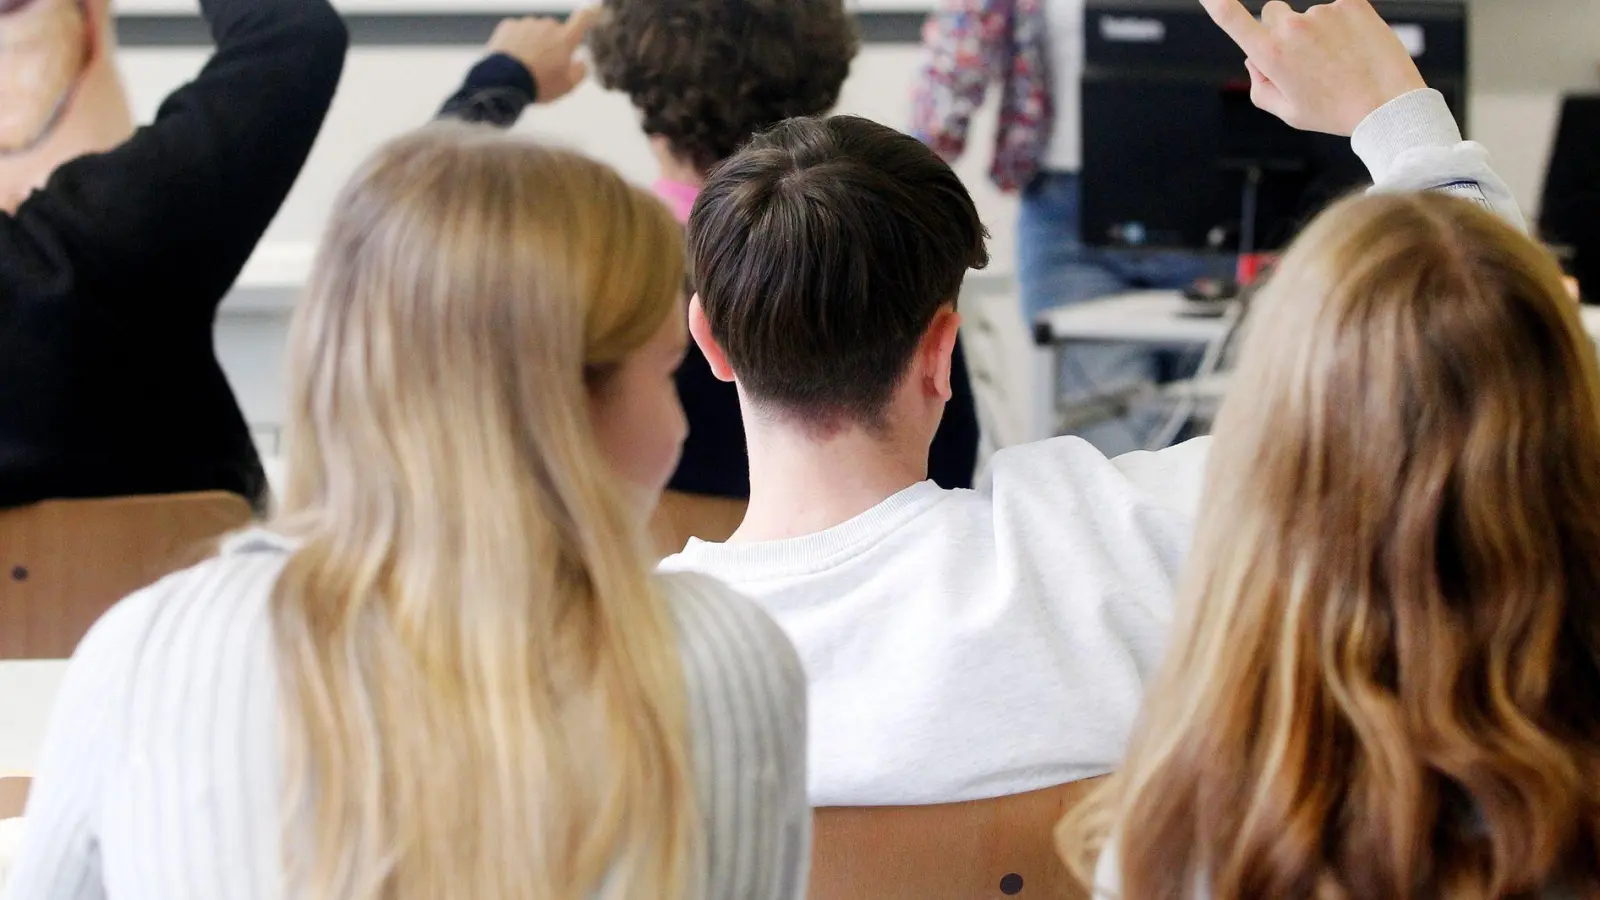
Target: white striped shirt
{"points": [[160, 775]]}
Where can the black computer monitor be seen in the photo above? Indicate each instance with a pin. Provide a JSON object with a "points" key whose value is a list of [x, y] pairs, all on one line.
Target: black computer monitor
{"points": [[1172, 144], [1570, 212]]}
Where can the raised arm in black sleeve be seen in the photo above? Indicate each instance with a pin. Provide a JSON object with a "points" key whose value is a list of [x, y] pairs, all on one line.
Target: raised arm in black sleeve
{"points": [[496, 92], [111, 275], [188, 197]]}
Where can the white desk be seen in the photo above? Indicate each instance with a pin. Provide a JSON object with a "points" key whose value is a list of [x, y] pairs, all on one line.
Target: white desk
{"points": [[1155, 318], [1591, 320], [27, 694], [1149, 317]]}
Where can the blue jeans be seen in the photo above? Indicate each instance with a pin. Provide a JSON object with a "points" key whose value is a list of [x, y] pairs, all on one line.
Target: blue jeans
{"points": [[1055, 268]]}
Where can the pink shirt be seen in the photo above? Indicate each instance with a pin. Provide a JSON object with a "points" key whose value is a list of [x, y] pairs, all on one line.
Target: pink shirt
{"points": [[678, 196]]}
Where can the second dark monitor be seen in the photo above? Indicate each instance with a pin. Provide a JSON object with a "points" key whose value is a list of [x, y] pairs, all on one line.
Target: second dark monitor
{"points": [[1171, 138]]}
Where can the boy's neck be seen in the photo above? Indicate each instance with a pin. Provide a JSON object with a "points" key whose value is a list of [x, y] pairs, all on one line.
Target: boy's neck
{"points": [[674, 168], [801, 484]]}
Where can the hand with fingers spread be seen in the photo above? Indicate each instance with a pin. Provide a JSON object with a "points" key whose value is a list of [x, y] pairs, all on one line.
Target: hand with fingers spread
{"points": [[1325, 69], [549, 50]]}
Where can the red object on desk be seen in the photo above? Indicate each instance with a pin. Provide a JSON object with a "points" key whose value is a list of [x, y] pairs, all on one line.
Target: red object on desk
{"points": [[1252, 266]]}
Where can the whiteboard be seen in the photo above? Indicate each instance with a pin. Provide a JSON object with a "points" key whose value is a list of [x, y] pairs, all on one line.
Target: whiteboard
{"points": [[464, 7]]}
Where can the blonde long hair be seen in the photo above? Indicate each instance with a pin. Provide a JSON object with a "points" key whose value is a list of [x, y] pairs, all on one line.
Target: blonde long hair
{"points": [[1385, 675], [482, 694]]}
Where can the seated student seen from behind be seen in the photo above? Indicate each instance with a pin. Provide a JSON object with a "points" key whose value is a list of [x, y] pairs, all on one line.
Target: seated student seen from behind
{"points": [[447, 669], [958, 645], [117, 246], [1383, 679], [705, 76]]}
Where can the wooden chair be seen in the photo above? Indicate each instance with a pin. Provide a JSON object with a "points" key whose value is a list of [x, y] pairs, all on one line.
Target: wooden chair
{"points": [[65, 562], [956, 851], [13, 797], [683, 516]]}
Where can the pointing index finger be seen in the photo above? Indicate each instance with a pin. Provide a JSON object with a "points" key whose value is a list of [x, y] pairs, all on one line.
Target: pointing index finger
{"points": [[578, 25], [1232, 17]]}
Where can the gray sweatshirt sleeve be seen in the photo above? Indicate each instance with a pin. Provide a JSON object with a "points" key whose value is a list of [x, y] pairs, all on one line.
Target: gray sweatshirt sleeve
{"points": [[1413, 143]]}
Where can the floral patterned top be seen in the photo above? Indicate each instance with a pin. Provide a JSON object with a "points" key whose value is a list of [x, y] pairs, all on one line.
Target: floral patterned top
{"points": [[967, 45]]}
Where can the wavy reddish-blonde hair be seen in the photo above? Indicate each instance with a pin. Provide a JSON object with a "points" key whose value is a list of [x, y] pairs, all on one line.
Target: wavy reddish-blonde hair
{"points": [[1385, 681]]}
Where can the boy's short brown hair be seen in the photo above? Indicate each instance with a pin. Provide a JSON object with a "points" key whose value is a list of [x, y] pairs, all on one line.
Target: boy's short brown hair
{"points": [[707, 74], [821, 253]]}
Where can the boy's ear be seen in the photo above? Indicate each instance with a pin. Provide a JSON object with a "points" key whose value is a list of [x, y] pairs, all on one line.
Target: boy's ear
{"points": [[700, 330], [937, 353]]}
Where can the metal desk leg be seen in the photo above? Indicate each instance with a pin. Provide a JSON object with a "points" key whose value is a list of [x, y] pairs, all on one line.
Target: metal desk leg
{"points": [[1045, 403]]}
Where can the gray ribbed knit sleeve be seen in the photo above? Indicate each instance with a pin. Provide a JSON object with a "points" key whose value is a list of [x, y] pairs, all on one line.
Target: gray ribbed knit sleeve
{"points": [[748, 716], [159, 777]]}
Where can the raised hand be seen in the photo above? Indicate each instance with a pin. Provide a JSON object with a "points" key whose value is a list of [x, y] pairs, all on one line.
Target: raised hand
{"points": [[548, 48], [1325, 69]]}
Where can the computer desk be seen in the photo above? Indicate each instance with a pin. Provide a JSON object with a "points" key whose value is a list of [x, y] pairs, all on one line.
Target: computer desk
{"points": [[28, 690], [1155, 319]]}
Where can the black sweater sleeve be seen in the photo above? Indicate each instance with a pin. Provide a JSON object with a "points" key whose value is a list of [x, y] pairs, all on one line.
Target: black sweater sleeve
{"points": [[186, 199]]}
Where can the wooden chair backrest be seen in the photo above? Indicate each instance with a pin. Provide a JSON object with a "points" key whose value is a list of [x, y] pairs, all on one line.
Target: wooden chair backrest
{"points": [[13, 797], [680, 517], [63, 563], [955, 851]]}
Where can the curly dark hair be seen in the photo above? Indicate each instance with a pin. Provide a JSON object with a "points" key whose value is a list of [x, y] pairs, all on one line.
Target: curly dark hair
{"points": [[709, 74]]}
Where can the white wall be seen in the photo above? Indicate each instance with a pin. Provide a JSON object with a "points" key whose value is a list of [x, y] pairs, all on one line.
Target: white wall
{"points": [[1525, 53], [386, 91], [1534, 45]]}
